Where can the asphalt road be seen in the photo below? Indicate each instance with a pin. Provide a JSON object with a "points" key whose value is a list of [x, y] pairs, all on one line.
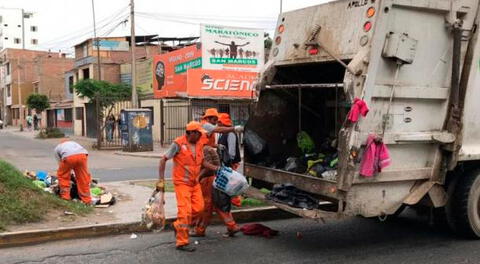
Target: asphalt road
{"points": [[34, 154], [408, 239]]}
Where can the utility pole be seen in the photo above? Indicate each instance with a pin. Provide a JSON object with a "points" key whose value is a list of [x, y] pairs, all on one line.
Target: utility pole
{"points": [[281, 6], [132, 50], [20, 102], [97, 42]]}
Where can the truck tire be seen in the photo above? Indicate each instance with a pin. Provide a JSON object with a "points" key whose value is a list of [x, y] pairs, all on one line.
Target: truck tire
{"points": [[465, 206]]}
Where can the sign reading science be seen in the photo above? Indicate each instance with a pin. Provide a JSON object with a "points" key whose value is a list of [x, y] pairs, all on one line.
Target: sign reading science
{"points": [[229, 48], [227, 84]]}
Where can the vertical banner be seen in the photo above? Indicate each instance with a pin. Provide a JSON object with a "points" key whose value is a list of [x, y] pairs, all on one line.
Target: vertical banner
{"points": [[231, 48]]}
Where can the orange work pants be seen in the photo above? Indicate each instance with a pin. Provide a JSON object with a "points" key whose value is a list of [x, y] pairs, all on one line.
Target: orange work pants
{"points": [[77, 163], [189, 205], [205, 217]]}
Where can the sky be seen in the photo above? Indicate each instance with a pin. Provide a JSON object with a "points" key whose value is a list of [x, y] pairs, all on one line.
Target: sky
{"points": [[64, 23]]}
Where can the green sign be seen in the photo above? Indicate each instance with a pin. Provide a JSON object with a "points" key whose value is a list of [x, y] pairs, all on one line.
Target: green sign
{"points": [[233, 61], [183, 67]]}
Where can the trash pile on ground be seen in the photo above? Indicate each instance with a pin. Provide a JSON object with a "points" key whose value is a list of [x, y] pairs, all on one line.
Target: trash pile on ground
{"points": [[292, 196], [101, 198]]}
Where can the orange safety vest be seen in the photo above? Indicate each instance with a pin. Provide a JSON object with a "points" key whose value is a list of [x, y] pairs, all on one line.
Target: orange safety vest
{"points": [[186, 166]]}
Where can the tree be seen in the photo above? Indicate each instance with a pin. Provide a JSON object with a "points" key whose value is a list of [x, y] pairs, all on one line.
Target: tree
{"points": [[39, 102], [105, 92]]}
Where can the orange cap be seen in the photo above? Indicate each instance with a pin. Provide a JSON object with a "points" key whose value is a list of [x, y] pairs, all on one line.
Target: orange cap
{"points": [[224, 118], [210, 112], [194, 126]]}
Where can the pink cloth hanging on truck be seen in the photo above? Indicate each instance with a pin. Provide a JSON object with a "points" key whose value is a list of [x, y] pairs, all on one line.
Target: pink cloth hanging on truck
{"points": [[375, 157], [359, 107]]}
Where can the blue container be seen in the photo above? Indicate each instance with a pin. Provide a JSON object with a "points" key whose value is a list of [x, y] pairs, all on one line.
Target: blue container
{"points": [[136, 127]]}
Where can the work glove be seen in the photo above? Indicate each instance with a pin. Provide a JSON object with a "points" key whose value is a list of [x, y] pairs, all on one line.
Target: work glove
{"points": [[160, 186], [239, 129]]}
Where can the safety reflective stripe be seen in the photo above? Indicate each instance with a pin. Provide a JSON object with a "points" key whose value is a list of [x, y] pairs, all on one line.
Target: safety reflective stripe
{"points": [[183, 226], [64, 190], [186, 177]]}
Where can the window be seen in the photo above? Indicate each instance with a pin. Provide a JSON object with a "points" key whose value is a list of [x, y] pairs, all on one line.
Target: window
{"points": [[34, 41], [17, 41], [8, 68], [68, 115], [9, 90], [86, 73], [70, 84], [79, 113], [33, 28]]}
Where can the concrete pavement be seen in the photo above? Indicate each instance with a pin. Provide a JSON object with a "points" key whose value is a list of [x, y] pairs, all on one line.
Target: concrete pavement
{"points": [[27, 153], [406, 240]]}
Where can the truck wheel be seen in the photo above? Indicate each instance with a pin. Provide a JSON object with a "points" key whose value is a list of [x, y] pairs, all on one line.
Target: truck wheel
{"points": [[465, 207]]}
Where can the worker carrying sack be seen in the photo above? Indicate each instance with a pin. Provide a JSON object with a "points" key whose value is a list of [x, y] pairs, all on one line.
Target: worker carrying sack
{"points": [[230, 182], [154, 213]]}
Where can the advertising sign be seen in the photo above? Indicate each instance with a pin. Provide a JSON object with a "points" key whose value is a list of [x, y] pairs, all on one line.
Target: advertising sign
{"points": [[170, 70], [229, 48], [226, 84]]}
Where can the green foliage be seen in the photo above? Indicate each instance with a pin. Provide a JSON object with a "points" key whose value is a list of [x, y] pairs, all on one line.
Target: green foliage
{"points": [[39, 102], [267, 42], [50, 132], [107, 93], [22, 202]]}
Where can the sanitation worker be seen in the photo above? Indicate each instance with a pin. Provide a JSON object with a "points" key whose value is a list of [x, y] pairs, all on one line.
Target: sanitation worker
{"points": [[187, 154], [209, 124], [72, 156]]}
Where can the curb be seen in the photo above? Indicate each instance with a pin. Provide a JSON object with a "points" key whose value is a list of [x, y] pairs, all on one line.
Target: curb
{"points": [[12, 239], [133, 154]]}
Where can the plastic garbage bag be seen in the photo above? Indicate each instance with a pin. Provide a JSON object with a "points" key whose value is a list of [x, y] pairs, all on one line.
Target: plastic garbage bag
{"points": [[221, 200], [41, 175], [292, 164], [317, 170], [305, 142], [254, 143], [39, 184], [154, 212], [230, 182]]}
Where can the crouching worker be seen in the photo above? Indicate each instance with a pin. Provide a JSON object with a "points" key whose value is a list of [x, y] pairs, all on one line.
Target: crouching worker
{"points": [[72, 156], [187, 155]]}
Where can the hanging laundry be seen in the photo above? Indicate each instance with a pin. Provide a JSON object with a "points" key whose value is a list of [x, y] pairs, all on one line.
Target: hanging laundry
{"points": [[375, 157], [258, 230], [359, 107]]}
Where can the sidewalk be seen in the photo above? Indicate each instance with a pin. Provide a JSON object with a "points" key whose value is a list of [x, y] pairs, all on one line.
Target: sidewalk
{"points": [[155, 154], [131, 199]]}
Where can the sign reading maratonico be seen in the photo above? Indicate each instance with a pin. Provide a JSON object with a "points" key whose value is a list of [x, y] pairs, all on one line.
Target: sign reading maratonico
{"points": [[229, 48]]}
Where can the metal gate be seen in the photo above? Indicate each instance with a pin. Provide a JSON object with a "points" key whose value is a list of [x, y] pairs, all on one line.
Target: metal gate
{"points": [[91, 120], [110, 126], [176, 113]]}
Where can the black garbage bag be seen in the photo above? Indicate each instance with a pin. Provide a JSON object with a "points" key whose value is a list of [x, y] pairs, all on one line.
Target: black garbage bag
{"points": [[254, 144], [290, 195], [221, 200]]}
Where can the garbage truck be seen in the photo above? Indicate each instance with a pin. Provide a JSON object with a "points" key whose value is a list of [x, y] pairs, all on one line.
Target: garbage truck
{"points": [[415, 64]]}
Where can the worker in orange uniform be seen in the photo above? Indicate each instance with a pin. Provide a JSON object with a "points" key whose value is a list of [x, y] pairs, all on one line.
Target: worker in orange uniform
{"points": [[209, 124], [72, 156], [187, 154]]}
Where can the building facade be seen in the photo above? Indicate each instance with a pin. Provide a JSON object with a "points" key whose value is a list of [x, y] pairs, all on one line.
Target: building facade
{"points": [[18, 29], [23, 72]]}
